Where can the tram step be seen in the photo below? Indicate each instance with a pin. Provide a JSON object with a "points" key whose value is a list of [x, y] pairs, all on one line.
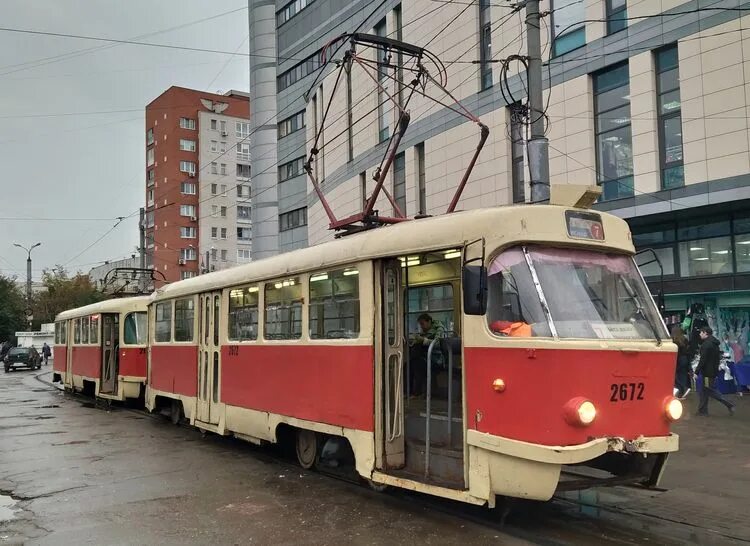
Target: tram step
{"points": [[446, 465], [440, 429]]}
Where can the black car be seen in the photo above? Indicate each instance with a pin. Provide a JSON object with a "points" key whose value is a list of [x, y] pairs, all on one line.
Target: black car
{"points": [[22, 357]]}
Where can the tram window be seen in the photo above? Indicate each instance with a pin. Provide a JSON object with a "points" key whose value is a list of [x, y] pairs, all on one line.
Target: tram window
{"points": [[184, 315], [77, 331], [57, 333], [85, 330], [334, 304], [215, 378], [135, 328], [514, 307], [243, 314], [283, 309], [63, 333], [94, 329], [217, 316], [163, 322], [437, 300]]}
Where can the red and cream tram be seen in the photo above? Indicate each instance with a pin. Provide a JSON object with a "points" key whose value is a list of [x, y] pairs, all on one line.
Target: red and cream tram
{"points": [[554, 369], [101, 348]]}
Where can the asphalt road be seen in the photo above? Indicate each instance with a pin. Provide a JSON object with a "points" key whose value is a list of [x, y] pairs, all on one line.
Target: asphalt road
{"points": [[74, 473]]}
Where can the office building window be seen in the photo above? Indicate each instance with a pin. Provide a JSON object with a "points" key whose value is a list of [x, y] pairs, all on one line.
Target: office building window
{"points": [[187, 233], [244, 234], [187, 167], [214, 232], [214, 189], [298, 71], [187, 123], [568, 28], [383, 57], [670, 118], [187, 188], [223, 127], [399, 181], [243, 151], [243, 255], [243, 171], [222, 147], [421, 180], [223, 255], [242, 129], [214, 125], [485, 44], [214, 254], [517, 144], [187, 210], [214, 168], [150, 157], [243, 212], [223, 233], [223, 168], [292, 219], [223, 212], [290, 10], [291, 169], [614, 148], [187, 145], [292, 124], [224, 190], [215, 211], [214, 146], [150, 137], [617, 13]]}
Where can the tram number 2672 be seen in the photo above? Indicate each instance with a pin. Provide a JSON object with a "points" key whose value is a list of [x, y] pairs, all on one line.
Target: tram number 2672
{"points": [[621, 392]]}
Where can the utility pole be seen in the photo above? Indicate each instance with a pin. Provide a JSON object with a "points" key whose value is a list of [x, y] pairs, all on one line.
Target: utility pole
{"points": [[538, 146], [29, 315], [142, 249]]}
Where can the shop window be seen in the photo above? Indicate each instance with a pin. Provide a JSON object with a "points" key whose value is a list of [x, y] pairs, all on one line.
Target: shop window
{"points": [[163, 322], [283, 309], [700, 257], [334, 304], [742, 252], [243, 314], [184, 313]]}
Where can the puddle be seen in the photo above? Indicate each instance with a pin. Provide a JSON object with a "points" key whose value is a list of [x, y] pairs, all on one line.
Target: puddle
{"points": [[47, 407], [41, 417], [7, 510]]}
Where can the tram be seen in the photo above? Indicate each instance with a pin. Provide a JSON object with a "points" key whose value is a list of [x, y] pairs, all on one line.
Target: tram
{"points": [[552, 369], [101, 349]]}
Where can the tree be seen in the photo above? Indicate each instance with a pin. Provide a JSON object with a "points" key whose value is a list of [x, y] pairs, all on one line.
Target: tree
{"points": [[61, 293], [11, 308]]}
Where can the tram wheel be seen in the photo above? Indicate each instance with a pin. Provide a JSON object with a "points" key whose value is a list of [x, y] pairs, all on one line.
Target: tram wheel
{"points": [[378, 487], [307, 448], [175, 412]]}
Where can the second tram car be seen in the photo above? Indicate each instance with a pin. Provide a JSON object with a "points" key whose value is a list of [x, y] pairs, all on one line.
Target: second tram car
{"points": [[550, 367], [101, 348]]}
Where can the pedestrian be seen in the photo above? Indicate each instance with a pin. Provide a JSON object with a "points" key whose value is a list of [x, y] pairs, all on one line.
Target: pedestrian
{"points": [[708, 367], [682, 370], [46, 352]]}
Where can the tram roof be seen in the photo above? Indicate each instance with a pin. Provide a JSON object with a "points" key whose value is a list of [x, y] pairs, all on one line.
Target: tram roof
{"points": [[500, 226], [117, 305]]}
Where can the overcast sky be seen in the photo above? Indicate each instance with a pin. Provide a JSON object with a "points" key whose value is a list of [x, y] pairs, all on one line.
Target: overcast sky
{"points": [[61, 156]]}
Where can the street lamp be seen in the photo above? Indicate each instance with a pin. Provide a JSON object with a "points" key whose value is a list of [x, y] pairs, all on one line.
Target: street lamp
{"points": [[28, 276]]}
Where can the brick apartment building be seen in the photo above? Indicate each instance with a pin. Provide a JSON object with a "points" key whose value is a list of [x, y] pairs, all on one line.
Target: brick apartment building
{"points": [[197, 182]]}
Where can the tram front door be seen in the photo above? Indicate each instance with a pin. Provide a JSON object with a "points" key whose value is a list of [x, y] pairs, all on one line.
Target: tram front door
{"points": [[209, 356], [392, 343], [110, 353]]}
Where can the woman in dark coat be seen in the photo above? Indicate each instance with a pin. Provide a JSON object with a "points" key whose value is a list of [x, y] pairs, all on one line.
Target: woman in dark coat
{"points": [[682, 371]]}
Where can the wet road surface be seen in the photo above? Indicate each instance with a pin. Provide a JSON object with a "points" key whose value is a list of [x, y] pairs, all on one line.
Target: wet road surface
{"points": [[73, 473]]}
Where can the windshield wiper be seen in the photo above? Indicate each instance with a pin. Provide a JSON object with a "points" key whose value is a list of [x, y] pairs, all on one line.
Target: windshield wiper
{"points": [[640, 311]]}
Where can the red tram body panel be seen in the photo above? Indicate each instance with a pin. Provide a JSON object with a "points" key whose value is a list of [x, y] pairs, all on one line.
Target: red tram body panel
{"points": [[174, 369], [134, 362], [86, 361]]}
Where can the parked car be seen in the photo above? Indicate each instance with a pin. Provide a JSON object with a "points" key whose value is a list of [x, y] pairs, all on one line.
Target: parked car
{"points": [[22, 357]]}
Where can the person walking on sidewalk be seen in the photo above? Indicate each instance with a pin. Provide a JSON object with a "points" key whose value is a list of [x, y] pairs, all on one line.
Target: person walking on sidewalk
{"points": [[708, 367], [46, 353], [682, 370]]}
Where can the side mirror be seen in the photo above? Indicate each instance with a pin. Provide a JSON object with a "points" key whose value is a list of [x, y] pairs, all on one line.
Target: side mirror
{"points": [[475, 289]]}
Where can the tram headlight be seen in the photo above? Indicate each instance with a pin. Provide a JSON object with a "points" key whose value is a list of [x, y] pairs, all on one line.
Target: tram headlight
{"points": [[673, 408], [580, 412]]}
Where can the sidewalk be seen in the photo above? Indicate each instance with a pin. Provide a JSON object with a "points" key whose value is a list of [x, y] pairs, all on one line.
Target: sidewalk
{"points": [[707, 480]]}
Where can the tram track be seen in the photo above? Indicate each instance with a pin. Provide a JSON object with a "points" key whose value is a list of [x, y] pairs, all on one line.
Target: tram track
{"points": [[559, 522]]}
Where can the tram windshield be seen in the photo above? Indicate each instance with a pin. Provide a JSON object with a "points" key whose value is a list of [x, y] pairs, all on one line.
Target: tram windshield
{"points": [[589, 295]]}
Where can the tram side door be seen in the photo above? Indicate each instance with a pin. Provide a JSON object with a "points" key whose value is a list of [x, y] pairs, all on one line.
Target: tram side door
{"points": [[110, 353], [209, 357], [394, 372], [68, 379]]}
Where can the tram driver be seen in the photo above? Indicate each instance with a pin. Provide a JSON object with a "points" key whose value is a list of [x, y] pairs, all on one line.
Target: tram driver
{"points": [[429, 329]]}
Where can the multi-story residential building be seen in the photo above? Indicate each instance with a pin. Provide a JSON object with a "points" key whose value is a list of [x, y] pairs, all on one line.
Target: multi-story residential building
{"points": [[197, 182], [647, 99]]}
